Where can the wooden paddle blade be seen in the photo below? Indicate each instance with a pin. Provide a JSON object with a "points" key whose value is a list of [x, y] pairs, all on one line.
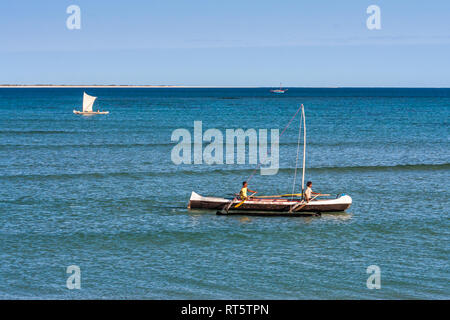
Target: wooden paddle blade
{"points": [[239, 204], [227, 207]]}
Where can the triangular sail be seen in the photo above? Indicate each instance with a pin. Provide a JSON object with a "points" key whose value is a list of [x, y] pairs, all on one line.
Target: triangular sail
{"points": [[88, 102], [302, 119]]}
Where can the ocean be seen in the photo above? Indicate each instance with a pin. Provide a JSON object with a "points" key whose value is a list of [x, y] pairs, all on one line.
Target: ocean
{"points": [[102, 193]]}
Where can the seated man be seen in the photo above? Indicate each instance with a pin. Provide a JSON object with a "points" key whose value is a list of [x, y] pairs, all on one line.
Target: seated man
{"points": [[243, 192], [309, 192]]}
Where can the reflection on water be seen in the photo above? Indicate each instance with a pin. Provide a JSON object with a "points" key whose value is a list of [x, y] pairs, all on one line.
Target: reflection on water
{"points": [[245, 219], [337, 216]]}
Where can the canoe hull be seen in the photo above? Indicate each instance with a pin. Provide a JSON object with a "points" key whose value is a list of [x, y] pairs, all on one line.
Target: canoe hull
{"points": [[278, 91], [270, 205], [90, 113]]}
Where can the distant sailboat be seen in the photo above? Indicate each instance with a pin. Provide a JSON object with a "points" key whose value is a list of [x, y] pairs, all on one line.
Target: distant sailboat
{"points": [[281, 90], [88, 102]]}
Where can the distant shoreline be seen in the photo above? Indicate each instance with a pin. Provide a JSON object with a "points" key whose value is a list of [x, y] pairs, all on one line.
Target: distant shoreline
{"points": [[3, 86], [113, 86]]}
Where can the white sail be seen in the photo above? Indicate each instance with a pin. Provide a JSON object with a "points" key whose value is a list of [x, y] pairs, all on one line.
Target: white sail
{"points": [[302, 118], [88, 102]]}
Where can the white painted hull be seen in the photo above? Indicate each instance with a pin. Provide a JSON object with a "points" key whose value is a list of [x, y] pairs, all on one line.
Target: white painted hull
{"points": [[280, 205], [90, 113]]}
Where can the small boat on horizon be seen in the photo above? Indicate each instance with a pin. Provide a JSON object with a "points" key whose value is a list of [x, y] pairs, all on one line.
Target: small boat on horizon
{"points": [[281, 90], [88, 103]]}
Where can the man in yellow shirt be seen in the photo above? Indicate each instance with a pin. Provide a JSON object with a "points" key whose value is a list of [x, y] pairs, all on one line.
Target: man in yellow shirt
{"points": [[243, 192]]}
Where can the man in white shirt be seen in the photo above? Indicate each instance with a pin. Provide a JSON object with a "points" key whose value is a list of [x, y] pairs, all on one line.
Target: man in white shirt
{"points": [[309, 192]]}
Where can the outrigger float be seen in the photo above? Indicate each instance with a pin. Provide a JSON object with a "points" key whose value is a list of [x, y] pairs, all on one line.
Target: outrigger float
{"points": [[290, 205]]}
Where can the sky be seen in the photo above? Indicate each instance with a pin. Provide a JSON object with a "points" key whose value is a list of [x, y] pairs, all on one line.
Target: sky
{"points": [[321, 43]]}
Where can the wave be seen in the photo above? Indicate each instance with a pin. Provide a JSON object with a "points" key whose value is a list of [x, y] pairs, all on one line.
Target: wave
{"points": [[152, 236], [399, 167], [96, 145], [217, 171], [170, 143], [36, 132]]}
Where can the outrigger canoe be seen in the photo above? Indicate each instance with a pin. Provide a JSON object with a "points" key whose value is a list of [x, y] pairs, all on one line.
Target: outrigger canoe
{"points": [[271, 206], [88, 102], [90, 113], [278, 205]]}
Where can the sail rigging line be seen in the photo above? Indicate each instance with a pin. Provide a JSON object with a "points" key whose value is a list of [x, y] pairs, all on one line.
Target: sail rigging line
{"points": [[281, 134], [304, 150], [296, 160]]}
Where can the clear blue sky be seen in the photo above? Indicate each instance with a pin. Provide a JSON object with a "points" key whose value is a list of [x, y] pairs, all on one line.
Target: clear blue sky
{"points": [[226, 43]]}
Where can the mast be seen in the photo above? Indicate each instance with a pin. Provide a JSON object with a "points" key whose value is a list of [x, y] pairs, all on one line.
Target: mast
{"points": [[304, 148]]}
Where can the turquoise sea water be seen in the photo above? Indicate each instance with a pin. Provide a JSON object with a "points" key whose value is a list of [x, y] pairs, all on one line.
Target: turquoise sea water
{"points": [[102, 193]]}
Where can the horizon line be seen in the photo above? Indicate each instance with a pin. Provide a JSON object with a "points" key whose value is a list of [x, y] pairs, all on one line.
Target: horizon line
{"points": [[32, 86]]}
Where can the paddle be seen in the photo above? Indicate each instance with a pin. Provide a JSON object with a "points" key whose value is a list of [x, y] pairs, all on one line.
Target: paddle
{"points": [[240, 203], [230, 204], [298, 209]]}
